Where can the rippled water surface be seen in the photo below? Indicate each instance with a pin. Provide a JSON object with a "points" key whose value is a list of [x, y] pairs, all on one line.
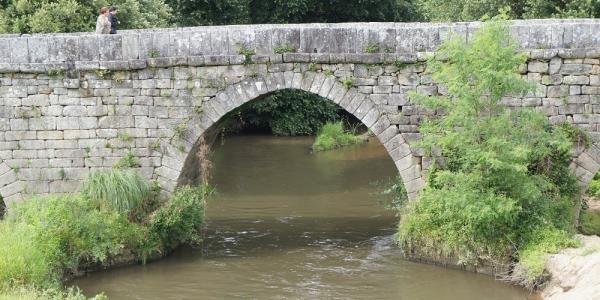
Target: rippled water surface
{"points": [[288, 224]]}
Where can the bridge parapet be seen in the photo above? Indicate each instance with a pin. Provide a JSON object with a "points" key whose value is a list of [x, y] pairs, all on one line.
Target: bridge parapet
{"points": [[344, 42]]}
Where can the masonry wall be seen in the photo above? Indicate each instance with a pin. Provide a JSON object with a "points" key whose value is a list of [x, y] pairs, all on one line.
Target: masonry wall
{"points": [[62, 116]]}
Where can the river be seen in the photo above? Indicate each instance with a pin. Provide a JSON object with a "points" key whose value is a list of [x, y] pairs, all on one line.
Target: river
{"points": [[290, 224]]}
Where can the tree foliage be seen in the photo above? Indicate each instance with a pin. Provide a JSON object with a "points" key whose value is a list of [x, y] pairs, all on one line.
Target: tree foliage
{"points": [[504, 174], [285, 113], [40, 16], [470, 10], [218, 12]]}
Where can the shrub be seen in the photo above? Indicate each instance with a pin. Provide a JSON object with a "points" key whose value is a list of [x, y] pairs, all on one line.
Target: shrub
{"points": [[47, 239], [78, 16], [504, 188], [594, 186], [121, 190], [60, 233], [80, 232], [543, 241], [180, 219], [21, 258], [590, 222], [333, 135], [285, 113]]}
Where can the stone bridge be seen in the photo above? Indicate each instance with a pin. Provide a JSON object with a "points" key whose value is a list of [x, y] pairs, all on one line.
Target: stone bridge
{"points": [[72, 103]]}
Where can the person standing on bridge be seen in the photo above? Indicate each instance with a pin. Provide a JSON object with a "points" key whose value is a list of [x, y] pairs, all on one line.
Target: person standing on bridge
{"points": [[103, 23], [114, 21]]}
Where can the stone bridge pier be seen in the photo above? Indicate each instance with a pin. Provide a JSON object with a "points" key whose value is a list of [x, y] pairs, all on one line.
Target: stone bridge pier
{"points": [[73, 103]]}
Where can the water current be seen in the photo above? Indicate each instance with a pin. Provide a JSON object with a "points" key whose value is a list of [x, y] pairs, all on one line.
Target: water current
{"points": [[290, 224]]}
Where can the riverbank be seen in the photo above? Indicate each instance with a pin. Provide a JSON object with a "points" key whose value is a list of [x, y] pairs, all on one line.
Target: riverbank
{"points": [[575, 272], [571, 274], [117, 219]]}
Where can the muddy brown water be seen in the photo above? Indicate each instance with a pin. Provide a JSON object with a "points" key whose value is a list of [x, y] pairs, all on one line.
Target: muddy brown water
{"points": [[288, 224]]}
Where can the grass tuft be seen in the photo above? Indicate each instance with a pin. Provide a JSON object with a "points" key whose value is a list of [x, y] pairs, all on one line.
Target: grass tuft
{"points": [[333, 135], [121, 190]]}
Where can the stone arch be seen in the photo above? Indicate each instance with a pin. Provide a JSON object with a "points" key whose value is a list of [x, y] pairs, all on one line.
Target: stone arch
{"points": [[10, 186], [586, 164], [171, 173]]}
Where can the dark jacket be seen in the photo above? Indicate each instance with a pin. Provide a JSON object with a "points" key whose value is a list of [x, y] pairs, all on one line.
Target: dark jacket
{"points": [[114, 22]]}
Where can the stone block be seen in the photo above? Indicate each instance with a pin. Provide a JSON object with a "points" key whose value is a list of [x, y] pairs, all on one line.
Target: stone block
{"points": [[42, 123], [382, 89], [537, 67], [13, 91], [111, 122], [408, 79], [576, 79], [558, 91], [576, 69]]}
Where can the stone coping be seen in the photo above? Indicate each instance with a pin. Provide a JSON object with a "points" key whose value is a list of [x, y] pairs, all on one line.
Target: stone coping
{"points": [[342, 38], [225, 60]]}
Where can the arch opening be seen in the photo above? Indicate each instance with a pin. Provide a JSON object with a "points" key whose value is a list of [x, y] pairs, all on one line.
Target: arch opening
{"points": [[207, 127]]}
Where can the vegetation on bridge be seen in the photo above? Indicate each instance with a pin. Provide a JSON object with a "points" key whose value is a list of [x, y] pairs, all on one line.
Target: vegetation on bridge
{"points": [[46, 240], [503, 189]]}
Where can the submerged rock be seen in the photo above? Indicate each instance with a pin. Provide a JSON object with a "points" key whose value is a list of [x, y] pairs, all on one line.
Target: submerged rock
{"points": [[575, 272]]}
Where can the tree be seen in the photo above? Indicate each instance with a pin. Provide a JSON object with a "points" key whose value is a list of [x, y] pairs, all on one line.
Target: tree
{"points": [[210, 12], [213, 12], [32, 16], [471, 10], [501, 184]]}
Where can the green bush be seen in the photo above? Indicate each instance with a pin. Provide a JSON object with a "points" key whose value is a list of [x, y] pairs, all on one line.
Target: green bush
{"points": [[590, 222], [504, 179], [333, 135], [473, 10], [121, 190], [23, 16], [47, 239], [594, 186], [543, 241], [180, 219], [62, 233], [22, 260], [285, 113]]}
